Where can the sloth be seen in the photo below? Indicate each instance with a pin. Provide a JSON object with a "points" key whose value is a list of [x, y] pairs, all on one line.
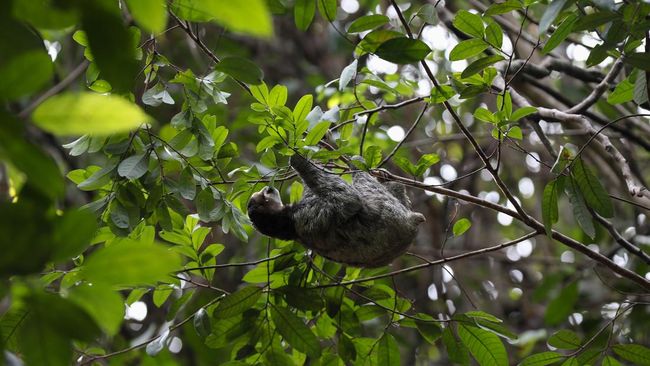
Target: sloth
{"points": [[363, 224]]}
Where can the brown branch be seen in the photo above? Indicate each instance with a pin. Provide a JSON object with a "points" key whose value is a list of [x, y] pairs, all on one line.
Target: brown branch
{"points": [[599, 90], [434, 262], [410, 130]]}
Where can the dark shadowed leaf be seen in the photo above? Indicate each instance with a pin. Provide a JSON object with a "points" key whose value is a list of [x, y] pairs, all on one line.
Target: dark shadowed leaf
{"points": [[564, 339], [295, 332], [111, 43], [542, 359], [388, 351], [241, 69], [134, 166], [592, 190], [635, 353], [237, 302], [403, 50], [561, 306], [551, 12]]}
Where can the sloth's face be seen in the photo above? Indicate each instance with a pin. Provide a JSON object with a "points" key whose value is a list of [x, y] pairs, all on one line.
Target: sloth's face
{"points": [[267, 197]]}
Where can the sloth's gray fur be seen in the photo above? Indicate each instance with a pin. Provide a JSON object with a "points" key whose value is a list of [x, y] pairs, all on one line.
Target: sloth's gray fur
{"points": [[363, 224]]}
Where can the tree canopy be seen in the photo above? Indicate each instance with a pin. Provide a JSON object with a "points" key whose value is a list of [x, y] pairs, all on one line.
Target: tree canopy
{"points": [[134, 132]]}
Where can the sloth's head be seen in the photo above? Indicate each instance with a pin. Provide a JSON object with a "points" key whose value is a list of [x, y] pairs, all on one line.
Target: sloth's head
{"points": [[267, 199], [269, 215]]}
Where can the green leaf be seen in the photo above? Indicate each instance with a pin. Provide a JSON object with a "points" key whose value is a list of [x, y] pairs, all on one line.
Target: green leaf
{"points": [[102, 303], [303, 13], [561, 306], [327, 9], [237, 302], [635, 353], [592, 190], [442, 94], [425, 162], [202, 323], [478, 314], [348, 73], [494, 34], [388, 351], [485, 347], [161, 294], [248, 17], [317, 133], [504, 7], [461, 226], [561, 33], [469, 23], [134, 166], [150, 14], [241, 69], [485, 115], [367, 22], [207, 207], [303, 107], [278, 96], [295, 332], [88, 113], [580, 210], [564, 339], [99, 179], [374, 39], [467, 48], [542, 359], [429, 331], [551, 12], [260, 93], [610, 361], [595, 20], [456, 350], [624, 92], [549, 205], [522, 112], [403, 50], [130, 263], [372, 156], [187, 184], [515, 132], [480, 64], [641, 88]]}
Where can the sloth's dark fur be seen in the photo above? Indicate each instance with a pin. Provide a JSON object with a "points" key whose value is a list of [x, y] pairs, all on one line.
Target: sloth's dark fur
{"points": [[363, 224]]}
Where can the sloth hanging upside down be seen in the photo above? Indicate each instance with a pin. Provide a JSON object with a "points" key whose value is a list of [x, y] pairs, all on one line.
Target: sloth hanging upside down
{"points": [[363, 224]]}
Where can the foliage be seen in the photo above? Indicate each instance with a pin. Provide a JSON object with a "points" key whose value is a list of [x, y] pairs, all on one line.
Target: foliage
{"points": [[133, 133]]}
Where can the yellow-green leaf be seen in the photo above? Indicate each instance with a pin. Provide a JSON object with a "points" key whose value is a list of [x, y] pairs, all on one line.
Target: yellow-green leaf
{"points": [[88, 113]]}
